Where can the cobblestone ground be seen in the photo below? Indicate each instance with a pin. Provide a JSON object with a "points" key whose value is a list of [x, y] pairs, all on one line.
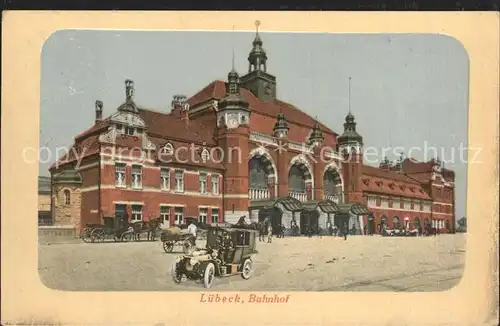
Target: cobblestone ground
{"points": [[362, 263]]}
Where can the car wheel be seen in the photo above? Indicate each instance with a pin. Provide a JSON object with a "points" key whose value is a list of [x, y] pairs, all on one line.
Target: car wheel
{"points": [[209, 275], [176, 275], [247, 269]]}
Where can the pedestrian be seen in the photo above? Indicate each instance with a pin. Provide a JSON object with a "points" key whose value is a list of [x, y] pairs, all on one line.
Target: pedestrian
{"points": [[346, 230], [192, 230], [269, 233], [283, 229]]}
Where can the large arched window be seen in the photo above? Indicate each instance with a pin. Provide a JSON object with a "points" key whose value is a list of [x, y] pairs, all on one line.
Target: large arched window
{"points": [[257, 173], [332, 184], [67, 197], [297, 179], [416, 222], [383, 220]]}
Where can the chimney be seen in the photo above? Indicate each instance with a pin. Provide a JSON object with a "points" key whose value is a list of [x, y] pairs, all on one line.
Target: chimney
{"points": [[98, 111], [129, 90]]}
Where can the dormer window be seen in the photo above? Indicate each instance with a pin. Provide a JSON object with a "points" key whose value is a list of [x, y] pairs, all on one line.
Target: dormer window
{"points": [[205, 155], [119, 128], [129, 130], [168, 149]]}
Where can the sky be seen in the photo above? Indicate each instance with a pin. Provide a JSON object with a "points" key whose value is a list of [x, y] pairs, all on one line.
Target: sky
{"points": [[408, 90]]}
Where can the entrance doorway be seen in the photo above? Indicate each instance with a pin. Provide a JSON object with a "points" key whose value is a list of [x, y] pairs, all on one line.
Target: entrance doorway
{"points": [[309, 220], [120, 215], [274, 215]]}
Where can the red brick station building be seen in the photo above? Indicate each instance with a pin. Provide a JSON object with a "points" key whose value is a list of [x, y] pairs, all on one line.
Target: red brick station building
{"points": [[288, 166]]}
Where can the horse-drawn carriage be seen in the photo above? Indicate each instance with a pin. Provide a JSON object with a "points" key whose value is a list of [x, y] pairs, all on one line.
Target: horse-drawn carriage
{"points": [[119, 229], [177, 236], [229, 251], [114, 227]]}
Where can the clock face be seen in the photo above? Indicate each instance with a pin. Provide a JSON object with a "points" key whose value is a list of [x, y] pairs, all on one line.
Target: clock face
{"points": [[232, 121], [267, 88]]}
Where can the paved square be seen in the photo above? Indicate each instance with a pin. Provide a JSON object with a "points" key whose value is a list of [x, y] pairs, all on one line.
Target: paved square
{"points": [[362, 263]]}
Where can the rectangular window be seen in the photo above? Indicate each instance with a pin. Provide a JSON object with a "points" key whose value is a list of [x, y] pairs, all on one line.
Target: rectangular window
{"points": [[129, 131], [384, 203], [215, 184], [407, 205], [203, 215], [179, 180], [396, 203], [179, 215], [372, 201], [136, 176], [136, 213], [165, 179], [165, 214], [203, 183], [120, 175], [215, 215]]}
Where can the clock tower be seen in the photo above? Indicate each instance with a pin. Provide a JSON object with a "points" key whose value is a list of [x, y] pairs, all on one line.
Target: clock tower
{"points": [[258, 80], [233, 118]]}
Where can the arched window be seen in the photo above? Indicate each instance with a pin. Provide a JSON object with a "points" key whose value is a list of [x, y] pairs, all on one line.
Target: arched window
{"points": [[383, 220], [257, 173], [331, 183], [296, 180], [67, 197], [416, 222]]}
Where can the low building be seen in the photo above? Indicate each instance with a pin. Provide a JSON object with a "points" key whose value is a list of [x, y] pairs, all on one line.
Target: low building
{"points": [[234, 149], [44, 201]]}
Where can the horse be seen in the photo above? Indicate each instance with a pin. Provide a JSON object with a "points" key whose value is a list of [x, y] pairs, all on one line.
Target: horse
{"points": [[149, 226]]}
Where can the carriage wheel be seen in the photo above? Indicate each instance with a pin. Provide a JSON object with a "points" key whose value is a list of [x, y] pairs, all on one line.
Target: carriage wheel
{"points": [[168, 246], [97, 235], [209, 275], [85, 235], [176, 275], [126, 237], [247, 269]]}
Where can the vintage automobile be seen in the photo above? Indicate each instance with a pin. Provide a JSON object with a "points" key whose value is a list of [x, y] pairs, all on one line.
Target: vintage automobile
{"points": [[229, 251]]}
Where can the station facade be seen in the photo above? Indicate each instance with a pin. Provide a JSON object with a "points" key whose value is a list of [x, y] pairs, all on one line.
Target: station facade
{"points": [[234, 149]]}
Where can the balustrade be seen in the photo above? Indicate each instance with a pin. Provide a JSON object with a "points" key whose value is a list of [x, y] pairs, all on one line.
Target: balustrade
{"points": [[258, 194], [301, 196]]}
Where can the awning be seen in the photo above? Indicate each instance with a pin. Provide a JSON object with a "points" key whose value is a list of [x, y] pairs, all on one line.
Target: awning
{"points": [[326, 206], [354, 208], [289, 203]]}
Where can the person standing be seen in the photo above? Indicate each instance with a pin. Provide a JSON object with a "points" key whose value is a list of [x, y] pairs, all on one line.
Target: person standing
{"points": [[346, 230], [269, 233], [192, 230]]}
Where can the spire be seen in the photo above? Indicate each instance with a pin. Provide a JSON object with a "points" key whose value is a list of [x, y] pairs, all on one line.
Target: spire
{"points": [[257, 57], [316, 136], [233, 69], [129, 104], [281, 127], [349, 98], [350, 134]]}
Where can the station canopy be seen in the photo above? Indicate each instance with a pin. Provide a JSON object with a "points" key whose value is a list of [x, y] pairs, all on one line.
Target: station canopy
{"points": [[354, 208], [289, 203], [326, 206]]}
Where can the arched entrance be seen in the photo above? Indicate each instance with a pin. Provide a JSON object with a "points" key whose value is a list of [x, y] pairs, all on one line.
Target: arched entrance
{"points": [[332, 185], [273, 215], [383, 223], [395, 222], [309, 220], [416, 223], [260, 169]]}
